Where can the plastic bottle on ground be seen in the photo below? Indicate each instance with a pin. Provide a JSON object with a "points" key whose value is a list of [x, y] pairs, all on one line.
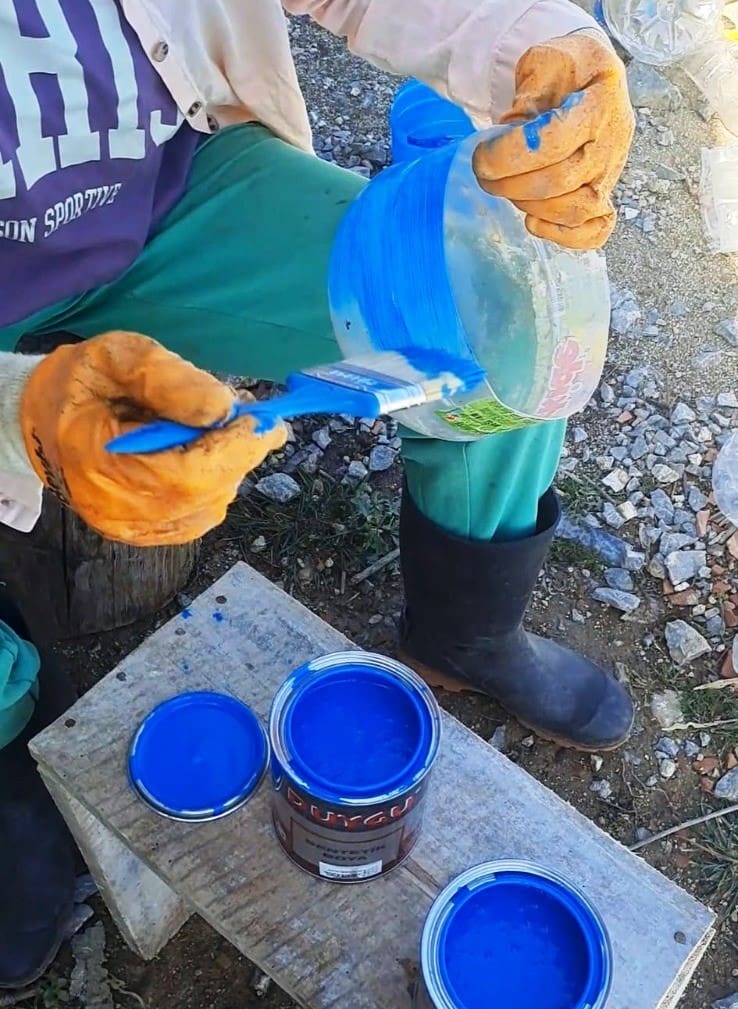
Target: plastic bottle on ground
{"points": [[725, 479]]}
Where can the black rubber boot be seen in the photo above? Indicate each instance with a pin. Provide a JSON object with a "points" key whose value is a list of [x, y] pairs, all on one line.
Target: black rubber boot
{"points": [[36, 850], [462, 629]]}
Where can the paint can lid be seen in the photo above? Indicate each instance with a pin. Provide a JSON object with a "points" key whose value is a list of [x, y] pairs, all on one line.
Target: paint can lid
{"points": [[198, 756], [354, 727], [520, 932]]}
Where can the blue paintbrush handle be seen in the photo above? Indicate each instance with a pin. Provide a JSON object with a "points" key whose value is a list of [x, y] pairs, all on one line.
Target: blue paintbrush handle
{"points": [[306, 395], [156, 437]]}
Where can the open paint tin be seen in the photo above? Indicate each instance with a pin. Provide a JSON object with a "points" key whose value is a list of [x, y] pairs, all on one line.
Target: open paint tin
{"points": [[198, 756], [353, 736], [513, 934]]}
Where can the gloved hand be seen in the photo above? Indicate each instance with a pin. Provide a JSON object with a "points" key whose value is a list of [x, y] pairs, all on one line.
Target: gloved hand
{"points": [[79, 397], [561, 166]]}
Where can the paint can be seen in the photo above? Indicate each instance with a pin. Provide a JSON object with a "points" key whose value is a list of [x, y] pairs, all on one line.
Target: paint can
{"points": [[421, 120], [353, 737], [198, 756], [511, 933]]}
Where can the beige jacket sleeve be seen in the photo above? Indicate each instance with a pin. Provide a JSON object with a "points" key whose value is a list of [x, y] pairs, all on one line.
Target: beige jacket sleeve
{"points": [[464, 49], [20, 488]]}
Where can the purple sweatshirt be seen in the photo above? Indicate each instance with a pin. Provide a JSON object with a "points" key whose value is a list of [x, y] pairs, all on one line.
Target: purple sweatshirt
{"points": [[93, 150]]}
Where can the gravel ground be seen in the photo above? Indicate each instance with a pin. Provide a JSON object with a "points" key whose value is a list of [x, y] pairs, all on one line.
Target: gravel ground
{"points": [[646, 571]]}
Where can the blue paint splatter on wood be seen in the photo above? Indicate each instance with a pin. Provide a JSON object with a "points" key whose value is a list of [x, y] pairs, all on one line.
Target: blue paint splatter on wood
{"points": [[532, 130]]}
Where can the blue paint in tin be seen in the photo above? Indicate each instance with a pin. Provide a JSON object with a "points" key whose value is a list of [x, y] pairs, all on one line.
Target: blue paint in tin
{"points": [[514, 934], [358, 733], [354, 736], [198, 756]]}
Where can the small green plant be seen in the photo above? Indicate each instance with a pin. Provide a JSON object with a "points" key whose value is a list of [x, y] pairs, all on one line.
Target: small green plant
{"points": [[573, 555], [717, 869], [707, 707], [580, 497], [330, 528], [53, 993]]}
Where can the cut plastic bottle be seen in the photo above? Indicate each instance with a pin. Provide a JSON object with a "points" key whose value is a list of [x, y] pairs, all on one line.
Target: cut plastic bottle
{"points": [[424, 258], [661, 32], [725, 479], [714, 69], [687, 32]]}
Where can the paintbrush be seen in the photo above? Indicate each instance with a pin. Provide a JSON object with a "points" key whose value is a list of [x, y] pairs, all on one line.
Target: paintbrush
{"points": [[368, 386]]}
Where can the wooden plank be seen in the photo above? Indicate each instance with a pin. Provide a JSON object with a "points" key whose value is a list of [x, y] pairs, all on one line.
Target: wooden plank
{"points": [[147, 912], [329, 945]]}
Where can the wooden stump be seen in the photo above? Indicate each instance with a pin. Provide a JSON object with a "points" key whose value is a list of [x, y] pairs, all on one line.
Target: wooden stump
{"points": [[70, 581]]}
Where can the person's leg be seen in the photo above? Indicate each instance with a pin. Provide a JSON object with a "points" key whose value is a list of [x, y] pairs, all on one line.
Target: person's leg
{"points": [[236, 280], [36, 851]]}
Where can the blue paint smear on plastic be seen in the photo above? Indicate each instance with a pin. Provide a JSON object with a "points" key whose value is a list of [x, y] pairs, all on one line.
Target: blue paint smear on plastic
{"points": [[531, 942], [532, 130], [599, 15], [186, 614], [399, 282], [421, 120], [218, 617]]}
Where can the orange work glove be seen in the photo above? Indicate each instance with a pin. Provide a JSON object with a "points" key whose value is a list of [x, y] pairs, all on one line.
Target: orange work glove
{"points": [[561, 165], [81, 396]]}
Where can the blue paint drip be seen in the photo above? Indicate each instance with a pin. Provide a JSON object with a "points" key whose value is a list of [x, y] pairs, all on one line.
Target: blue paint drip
{"points": [[532, 129]]}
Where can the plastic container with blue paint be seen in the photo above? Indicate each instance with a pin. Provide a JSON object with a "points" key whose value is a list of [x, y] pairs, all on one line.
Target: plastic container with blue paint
{"points": [[421, 120], [513, 934], [198, 756], [353, 737], [425, 258]]}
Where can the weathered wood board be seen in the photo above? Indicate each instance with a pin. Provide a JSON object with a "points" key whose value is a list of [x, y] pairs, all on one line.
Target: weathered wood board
{"points": [[329, 945]]}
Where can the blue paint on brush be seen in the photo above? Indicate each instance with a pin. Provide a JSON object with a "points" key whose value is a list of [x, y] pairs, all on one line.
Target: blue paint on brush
{"points": [[532, 129], [366, 387]]}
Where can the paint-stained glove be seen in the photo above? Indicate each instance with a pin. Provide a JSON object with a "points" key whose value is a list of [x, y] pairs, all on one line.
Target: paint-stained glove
{"points": [[561, 165], [79, 397]]}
